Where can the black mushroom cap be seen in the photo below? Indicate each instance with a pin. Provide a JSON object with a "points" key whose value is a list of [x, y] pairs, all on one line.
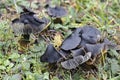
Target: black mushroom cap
{"points": [[76, 61], [56, 12], [27, 23], [72, 41], [95, 49], [51, 55], [91, 34]]}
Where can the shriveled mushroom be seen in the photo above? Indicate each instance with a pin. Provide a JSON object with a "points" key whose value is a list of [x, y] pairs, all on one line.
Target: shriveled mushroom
{"points": [[76, 61], [51, 55]]}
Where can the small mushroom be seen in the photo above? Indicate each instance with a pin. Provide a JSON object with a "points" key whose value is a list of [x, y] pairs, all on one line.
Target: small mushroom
{"points": [[76, 61], [91, 34], [51, 55], [72, 41], [57, 13]]}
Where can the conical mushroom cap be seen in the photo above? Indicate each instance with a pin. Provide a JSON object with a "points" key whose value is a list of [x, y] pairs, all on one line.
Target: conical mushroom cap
{"points": [[51, 55]]}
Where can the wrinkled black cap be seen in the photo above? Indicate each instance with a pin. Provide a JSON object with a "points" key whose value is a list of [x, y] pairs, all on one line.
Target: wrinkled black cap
{"points": [[51, 55]]}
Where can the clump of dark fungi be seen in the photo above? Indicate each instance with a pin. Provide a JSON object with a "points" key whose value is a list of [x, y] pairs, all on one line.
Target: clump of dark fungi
{"points": [[84, 44], [27, 23]]}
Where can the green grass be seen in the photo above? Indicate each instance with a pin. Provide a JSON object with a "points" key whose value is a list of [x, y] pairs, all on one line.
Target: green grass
{"points": [[103, 15]]}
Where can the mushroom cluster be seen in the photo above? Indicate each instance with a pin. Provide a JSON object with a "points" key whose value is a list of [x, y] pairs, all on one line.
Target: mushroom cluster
{"points": [[84, 44], [28, 23]]}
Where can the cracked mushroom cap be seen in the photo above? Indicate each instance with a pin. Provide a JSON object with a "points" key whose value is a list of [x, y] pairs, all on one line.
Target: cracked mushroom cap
{"points": [[72, 41], [56, 12], [27, 23], [51, 55]]}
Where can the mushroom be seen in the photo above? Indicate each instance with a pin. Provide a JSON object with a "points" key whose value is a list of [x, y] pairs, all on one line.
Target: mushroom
{"points": [[76, 61], [91, 34], [51, 55], [72, 41], [56, 12]]}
